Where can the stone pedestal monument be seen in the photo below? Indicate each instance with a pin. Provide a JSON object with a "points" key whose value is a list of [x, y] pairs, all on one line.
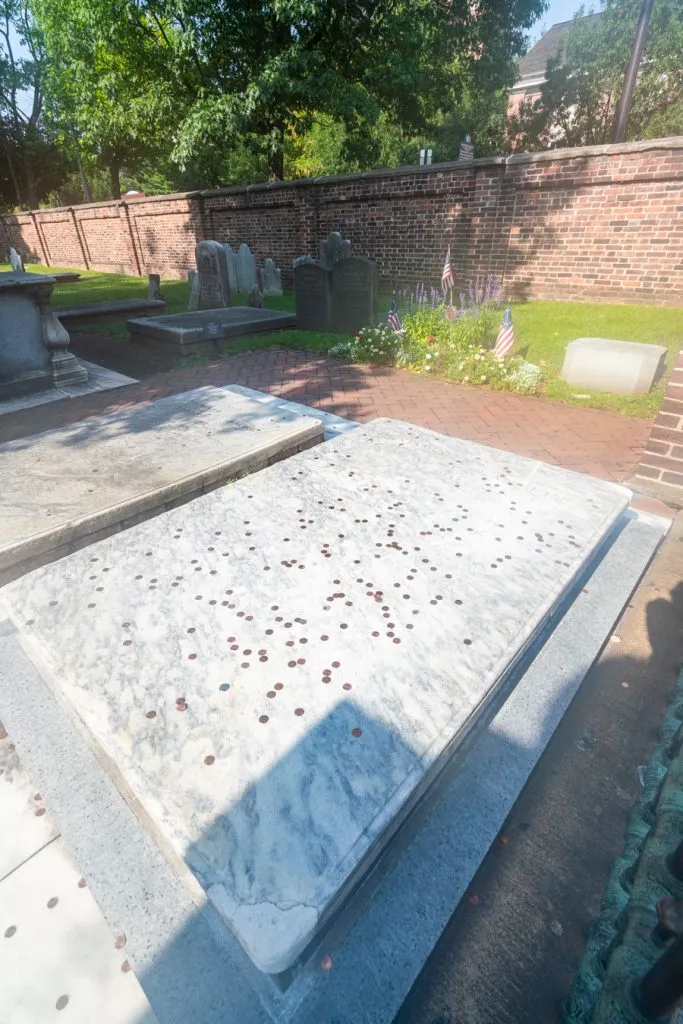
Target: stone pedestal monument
{"points": [[34, 346]]}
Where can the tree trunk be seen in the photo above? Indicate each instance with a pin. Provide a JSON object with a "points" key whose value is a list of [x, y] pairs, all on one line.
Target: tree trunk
{"points": [[13, 175], [31, 193], [114, 180], [276, 157], [85, 184]]}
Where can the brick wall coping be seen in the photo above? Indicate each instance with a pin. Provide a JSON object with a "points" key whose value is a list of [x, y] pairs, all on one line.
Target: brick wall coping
{"points": [[547, 156]]}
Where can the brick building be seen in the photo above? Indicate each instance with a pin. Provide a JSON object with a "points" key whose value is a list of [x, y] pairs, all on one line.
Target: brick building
{"points": [[531, 70]]}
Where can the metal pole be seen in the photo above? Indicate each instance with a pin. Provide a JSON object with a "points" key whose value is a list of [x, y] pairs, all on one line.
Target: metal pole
{"points": [[624, 105]]}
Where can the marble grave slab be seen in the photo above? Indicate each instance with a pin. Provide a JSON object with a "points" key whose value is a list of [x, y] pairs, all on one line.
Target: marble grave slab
{"points": [[64, 484], [277, 671]]}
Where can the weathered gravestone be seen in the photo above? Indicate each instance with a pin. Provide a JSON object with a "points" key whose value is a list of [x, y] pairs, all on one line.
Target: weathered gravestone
{"points": [[246, 269], [271, 278], [302, 259], [232, 265], [154, 286], [16, 260], [210, 286], [255, 298], [312, 297], [354, 294], [333, 249]]}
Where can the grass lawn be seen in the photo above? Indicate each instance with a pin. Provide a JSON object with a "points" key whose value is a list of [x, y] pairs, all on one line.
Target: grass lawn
{"points": [[543, 330]]}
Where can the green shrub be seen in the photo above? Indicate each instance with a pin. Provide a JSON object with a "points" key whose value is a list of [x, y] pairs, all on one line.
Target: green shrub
{"points": [[476, 326]]}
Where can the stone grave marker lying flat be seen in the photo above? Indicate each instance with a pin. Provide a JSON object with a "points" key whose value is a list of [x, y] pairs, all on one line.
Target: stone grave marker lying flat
{"points": [[69, 485], [186, 331], [621, 367], [278, 672]]}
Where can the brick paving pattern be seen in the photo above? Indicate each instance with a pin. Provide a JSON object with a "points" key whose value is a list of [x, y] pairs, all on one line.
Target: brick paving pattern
{"points": [[591, 441]]}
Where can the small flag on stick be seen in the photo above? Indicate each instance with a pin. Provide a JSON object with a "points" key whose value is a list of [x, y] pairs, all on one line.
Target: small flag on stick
{"points": [[394, 320], [447, 279], [506, 336]]}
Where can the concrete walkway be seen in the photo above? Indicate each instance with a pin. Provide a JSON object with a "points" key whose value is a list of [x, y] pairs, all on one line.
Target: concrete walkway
{"points": [[603, 444]]}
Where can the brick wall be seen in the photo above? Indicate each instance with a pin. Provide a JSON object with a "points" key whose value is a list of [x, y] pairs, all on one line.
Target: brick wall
{"points": [[597, 223], [660, 469]]}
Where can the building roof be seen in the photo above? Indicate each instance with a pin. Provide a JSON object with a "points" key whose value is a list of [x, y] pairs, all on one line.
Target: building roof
{"points": [[534, 64]]}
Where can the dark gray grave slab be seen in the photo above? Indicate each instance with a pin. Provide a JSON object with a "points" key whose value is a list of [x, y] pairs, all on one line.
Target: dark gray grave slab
{"points": [[312, 296], [110, 309], [187, 331], [354, 294]]}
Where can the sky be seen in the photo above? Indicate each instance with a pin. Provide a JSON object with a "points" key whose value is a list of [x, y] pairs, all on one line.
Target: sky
{"points": [[558, 10]]}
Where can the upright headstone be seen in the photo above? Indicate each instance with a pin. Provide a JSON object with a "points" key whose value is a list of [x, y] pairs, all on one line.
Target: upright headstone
{"points": [[246, 269], [354, 294], [466, 149], [298, 260], [312, 297], [333, 249], [271, 278], [193, 281], [16, 261], [154, 286], [211, 284], [232, 266], [255, 298]]}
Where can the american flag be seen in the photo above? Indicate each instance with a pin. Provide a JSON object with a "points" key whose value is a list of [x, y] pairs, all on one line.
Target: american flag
{"points": [[393, 318], [447, 279], [506, 336]]}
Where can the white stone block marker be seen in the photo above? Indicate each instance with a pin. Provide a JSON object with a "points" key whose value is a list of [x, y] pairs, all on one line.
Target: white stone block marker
{"points": [[279, 670], [622, 367]]}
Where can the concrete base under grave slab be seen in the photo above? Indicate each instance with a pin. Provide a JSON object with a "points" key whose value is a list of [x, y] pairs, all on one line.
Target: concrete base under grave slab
{"points": [[57, 951], [190, 332], [99, 379], [188, 965], [80, 483]]}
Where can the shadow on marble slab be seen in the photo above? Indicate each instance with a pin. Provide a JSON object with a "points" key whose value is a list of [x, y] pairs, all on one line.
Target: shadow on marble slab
{"points": [[99, 379]]}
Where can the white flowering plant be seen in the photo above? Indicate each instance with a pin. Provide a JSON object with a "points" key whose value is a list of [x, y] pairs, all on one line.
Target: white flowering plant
{"points": [[370, 345]]}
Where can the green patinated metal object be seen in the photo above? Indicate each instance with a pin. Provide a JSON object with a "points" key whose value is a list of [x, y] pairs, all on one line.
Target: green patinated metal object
{"points": [[625, 941]]}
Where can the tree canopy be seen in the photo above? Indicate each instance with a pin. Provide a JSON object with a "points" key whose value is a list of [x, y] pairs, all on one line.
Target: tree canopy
{"points": [[30, 164], [203, 92], [584, 82]]}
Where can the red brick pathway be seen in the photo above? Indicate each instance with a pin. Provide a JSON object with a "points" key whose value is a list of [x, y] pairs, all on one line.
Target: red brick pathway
{"points": [[601, 443]]}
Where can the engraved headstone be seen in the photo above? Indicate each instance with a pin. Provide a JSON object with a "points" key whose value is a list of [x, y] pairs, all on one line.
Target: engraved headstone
{"points": [[312, 297], [246, 269], [16, 261], [466, 149], [333, 249], [271, 278], [298, 260], [232, 265], [211, 284], [354, 294]]}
